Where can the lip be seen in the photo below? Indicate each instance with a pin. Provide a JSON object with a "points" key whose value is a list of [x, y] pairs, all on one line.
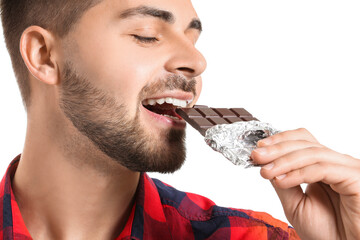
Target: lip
{"points": [[161, 121], [186, 96]]}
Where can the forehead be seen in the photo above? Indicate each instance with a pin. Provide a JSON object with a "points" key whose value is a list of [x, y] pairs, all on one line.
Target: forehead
{"points": [[181, 9]]}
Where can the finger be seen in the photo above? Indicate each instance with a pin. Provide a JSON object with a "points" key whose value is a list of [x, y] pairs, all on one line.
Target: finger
{"points": [[267, 154], [298, 134], [304, 157], [343, 180]]}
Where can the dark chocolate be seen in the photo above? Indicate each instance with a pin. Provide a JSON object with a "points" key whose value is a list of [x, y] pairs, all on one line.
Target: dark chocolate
{"points": [[202, 117]]}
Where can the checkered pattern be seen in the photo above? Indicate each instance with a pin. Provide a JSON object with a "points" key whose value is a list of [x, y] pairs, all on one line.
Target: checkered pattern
{"points": [[162, 212], [11, 223]]}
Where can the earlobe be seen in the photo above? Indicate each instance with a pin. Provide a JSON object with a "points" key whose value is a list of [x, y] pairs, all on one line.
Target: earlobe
{"points": [[38, 53]]}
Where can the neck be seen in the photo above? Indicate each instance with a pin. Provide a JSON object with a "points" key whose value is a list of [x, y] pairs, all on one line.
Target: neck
{"points": [[67, 189]]}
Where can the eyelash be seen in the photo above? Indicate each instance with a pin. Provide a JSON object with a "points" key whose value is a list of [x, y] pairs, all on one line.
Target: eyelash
{"points": [[145, 39]]}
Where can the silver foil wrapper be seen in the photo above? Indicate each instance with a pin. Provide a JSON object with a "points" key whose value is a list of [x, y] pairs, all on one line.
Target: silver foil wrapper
{"points": [[236, 141]]}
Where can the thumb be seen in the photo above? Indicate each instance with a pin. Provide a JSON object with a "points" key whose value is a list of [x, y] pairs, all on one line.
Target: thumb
{"points": [[290, 199]]}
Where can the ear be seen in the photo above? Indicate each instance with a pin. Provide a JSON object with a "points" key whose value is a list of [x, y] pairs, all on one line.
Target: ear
{"points": [[38, 52]]}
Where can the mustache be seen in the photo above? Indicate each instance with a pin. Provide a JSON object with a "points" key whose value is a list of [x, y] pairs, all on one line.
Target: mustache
{"points": [[171, 82]]}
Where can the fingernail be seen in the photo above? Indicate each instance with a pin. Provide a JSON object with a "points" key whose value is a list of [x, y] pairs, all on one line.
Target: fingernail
{"points": [[261, 151], [268, 166], [281, 177]]}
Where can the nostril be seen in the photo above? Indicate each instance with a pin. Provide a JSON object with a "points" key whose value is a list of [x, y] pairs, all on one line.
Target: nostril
{"points": [[185, 69]]}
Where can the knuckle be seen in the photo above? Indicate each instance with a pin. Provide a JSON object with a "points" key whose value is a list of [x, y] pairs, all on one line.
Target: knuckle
{"points": [[348, 157], [281, 134], [305, 132], [317, 151], [307, 143], [300, 172], [351, 159], [321, 146], [303, 178], [323, 167], [277, 147], [275, 137], [283, 159], [302, 130]]}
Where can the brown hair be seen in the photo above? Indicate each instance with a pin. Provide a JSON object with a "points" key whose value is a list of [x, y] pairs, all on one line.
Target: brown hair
{"points": [[57, 16]]}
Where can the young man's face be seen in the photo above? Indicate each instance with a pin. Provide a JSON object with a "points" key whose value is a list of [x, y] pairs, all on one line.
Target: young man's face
{"points": [[119, 59]]}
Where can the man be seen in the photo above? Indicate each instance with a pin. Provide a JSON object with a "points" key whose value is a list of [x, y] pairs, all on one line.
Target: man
{"points": [[94, 77]]}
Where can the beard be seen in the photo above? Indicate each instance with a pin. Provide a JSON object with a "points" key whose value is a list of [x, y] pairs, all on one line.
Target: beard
{"points": [[98, 116]]}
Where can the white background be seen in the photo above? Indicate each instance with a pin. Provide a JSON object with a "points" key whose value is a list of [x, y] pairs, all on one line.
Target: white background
{"points": [[291, 63]]}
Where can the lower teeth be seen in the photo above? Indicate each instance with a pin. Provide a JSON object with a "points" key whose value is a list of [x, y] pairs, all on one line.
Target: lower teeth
{"points": [[172, 117]]}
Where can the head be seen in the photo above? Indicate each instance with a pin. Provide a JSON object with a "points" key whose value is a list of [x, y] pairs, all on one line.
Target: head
{"points": [[100, 65]]}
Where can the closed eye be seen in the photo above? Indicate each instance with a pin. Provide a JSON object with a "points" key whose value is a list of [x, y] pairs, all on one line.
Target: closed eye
{"points": [[145, 39]]}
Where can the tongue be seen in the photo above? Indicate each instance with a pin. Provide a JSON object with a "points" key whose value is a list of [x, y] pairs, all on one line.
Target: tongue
{"points": [[163, 110]]}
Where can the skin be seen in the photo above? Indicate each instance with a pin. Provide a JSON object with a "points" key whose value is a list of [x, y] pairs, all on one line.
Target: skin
{"points": [[94, 193], [331, 201]]}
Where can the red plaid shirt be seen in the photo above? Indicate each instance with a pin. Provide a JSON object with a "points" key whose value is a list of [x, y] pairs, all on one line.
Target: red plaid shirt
{"points": [[162, 212]]}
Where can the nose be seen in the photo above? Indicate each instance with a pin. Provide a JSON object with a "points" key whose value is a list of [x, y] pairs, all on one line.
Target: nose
{"points": [[185, 59]]}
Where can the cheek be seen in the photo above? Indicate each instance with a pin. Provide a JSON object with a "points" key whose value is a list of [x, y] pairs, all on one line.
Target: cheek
{"points": [[126, 79], [118, 68], [126, 74]]}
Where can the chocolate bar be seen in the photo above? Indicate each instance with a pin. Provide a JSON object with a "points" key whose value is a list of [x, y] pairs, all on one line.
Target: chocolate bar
{"points": [[202, 117]]}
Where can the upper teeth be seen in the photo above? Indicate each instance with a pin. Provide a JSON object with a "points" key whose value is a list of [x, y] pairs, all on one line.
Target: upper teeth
{"points": [[173, 101]]}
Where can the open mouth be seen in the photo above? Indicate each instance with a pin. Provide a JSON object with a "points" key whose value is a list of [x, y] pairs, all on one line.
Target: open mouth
{"points": [[165, 106]]}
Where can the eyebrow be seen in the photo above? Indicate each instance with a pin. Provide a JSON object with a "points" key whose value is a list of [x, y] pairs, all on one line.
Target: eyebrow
{"points": [[163, 15]]}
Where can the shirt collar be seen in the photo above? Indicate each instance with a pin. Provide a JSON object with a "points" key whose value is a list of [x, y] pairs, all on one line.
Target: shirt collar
{"points": [[13, 224], [146, 220], [149, 218]]}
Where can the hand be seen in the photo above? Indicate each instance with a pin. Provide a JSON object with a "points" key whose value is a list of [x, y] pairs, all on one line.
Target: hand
{"points": [[330, 206]]}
